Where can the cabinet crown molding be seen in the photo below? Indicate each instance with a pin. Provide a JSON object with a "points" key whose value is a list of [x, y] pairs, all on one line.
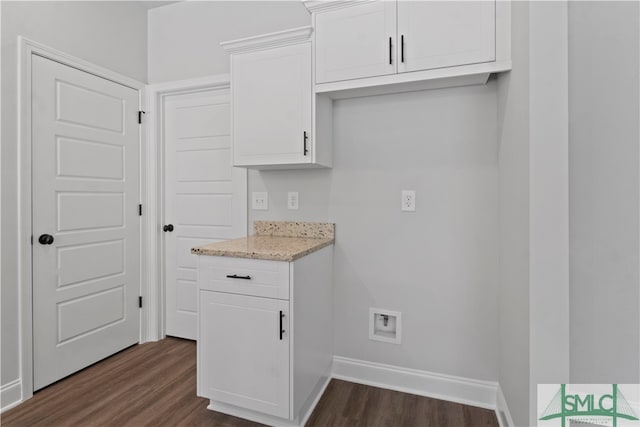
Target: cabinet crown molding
{"points": [[268, 41], [315, 6]]}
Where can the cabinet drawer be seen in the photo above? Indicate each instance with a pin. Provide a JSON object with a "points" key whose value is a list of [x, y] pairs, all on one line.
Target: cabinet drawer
{"points": [[261, 278]]}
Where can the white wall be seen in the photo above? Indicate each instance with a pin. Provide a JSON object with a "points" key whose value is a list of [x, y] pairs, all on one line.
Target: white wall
{"points": [[513, 131], [534, 258], [439, 265], [604, 136], [185, 37], [110, 34], [548, 198]]}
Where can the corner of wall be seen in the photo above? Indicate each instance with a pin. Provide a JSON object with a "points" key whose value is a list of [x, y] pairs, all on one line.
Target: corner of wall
{"points": [[502, 410]]}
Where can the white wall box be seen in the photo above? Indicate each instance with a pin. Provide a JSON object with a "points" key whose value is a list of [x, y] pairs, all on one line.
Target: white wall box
{"points": [[377, 47], [273, 106], [265, 344]]}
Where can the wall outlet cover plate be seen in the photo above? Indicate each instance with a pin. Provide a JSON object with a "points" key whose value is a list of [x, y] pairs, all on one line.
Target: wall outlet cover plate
{"points": [[408, 201], [259, 201], [292, 200]]}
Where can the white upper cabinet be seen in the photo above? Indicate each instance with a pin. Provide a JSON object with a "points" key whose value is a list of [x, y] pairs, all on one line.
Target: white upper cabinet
{"points": [[385, 46], [271, 105], [272, 101], [436, 34], [354, 42]]}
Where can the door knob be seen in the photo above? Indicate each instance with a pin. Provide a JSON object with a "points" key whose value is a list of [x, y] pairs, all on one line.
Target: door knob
{"points": [[45, 239], [168, 227]]}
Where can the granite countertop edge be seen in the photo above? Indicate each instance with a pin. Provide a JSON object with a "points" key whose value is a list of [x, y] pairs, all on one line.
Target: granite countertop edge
{"points": [[272, 255]]}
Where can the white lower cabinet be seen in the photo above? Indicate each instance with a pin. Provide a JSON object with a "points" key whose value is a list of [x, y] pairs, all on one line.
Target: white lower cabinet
{"points": [[265, 340], [246, 353]]}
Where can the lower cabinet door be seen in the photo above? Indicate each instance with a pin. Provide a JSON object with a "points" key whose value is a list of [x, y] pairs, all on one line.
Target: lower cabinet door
{"points": [[243, 352]]}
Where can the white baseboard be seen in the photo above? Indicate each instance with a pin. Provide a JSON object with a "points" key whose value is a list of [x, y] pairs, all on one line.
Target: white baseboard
{"points": [[502, 410], [439, 386], [10, 394], [315, 401]]}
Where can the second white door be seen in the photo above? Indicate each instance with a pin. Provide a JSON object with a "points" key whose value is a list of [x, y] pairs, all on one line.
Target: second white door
{"points": [[205, 197]]}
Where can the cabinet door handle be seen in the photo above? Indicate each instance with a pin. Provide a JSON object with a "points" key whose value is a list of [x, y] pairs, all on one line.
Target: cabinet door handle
{"points": [[305, 138], [235, 276], [402, 48], [390, 52], [280, 330]]}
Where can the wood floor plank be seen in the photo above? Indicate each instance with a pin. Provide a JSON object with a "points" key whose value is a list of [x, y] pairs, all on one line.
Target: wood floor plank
{"points": [[154, 384]]}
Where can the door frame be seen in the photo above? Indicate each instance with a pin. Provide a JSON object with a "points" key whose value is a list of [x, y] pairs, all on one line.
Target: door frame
{"points": [[156, 281], [27, 48]]}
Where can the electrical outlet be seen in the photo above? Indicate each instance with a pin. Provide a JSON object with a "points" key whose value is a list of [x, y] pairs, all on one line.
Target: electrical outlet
{"points": [[408, 200], [260, 201], [292, 200]]}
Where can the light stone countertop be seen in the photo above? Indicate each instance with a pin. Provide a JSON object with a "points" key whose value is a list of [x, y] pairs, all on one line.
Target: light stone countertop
{"points": [[274, 240]]}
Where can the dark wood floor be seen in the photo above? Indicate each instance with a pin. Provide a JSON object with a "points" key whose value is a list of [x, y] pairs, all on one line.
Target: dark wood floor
{"points": [[154, 384]]}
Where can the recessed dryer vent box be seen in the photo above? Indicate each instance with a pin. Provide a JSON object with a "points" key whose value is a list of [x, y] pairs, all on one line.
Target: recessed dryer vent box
{"points": [[385, 325]]}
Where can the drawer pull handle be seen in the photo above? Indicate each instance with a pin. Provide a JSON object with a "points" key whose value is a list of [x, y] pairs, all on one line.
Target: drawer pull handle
{"points": [[280, 329], [235, 276]]}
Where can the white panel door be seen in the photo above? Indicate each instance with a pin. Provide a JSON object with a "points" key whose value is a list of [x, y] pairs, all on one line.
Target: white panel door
{"points": [[355, 42], [272, 106], [205, 197], [243, 353], [435, 34], [86, 228]]}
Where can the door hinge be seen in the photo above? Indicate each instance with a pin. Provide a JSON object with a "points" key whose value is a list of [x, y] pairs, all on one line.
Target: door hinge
{"points": [[140, 302], [140, 210], [140, 113]]}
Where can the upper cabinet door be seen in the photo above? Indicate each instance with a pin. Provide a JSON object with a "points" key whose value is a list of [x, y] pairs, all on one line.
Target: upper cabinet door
{"points": [[271, 102], [437, 34], [356, 41]]}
